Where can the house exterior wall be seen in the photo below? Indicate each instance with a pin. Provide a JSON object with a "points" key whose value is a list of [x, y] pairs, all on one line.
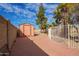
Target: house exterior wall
{"points": [[33, 30], [26, 30]]}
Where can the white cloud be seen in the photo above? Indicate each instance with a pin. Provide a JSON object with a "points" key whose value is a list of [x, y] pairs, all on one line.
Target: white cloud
{"points": [[19, 11], [32, 6], [52, 6], [7, 7], [25, 12]]}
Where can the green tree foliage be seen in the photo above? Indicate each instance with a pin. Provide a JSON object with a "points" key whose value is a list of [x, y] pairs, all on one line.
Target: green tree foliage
{"points": [[41, 19], [76, 12], [63, 13]]}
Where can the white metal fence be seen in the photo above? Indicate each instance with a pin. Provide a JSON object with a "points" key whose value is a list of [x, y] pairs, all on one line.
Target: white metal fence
{"points": [[65, 33]]}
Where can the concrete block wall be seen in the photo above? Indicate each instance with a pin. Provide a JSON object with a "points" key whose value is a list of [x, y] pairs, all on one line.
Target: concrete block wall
{"points": [[3, 32], [8, 33], [12, 34]]}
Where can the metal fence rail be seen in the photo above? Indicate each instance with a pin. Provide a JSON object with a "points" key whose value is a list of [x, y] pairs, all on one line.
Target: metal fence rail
{"points": [[66, 33]]}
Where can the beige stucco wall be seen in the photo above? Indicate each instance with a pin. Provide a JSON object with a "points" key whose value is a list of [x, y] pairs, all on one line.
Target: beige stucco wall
{"points": [[27, 30], [5, 31], [32, 29], [12, 34], [21, 31]]}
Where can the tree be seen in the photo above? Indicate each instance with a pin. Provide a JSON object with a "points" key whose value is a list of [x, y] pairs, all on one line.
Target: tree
{"points": [[76, 13], [54, 24], [63, 13], [41, 19], [75, 16]]}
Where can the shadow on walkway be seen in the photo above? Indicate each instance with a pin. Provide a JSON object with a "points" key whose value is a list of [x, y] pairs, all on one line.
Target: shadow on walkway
{"points": [[26, 47]]}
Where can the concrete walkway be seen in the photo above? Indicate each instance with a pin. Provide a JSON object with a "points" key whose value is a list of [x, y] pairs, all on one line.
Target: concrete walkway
{"points": [[40, 45]]}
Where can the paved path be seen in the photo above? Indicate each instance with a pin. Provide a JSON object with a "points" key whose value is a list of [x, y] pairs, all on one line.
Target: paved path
{"points": [[40, 45]]}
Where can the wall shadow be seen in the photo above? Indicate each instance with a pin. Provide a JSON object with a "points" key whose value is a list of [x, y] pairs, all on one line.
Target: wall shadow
{"points": [[26, 47]]}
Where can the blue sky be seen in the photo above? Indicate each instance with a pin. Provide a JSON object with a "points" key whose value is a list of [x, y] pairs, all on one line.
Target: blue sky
{"points": [[19, 13]]}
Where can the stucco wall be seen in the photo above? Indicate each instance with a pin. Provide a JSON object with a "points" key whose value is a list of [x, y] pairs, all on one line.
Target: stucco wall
{"points": [[32, 29], [26, 30], [8, 33], [12, 34], [3, 33], [21, 31]]}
